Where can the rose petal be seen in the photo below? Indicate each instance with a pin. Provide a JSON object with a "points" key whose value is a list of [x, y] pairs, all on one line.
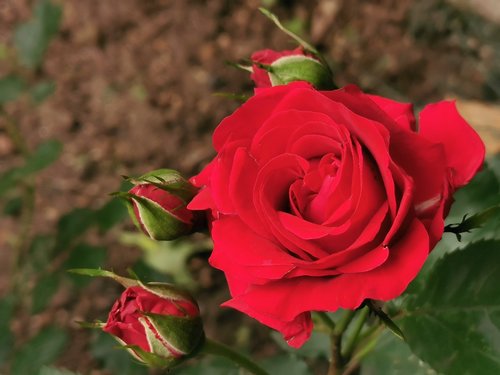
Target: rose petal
{"points": [[235, 244], [245, 121], [441, 123], [402, 113], [286, 299], [270, 196]]}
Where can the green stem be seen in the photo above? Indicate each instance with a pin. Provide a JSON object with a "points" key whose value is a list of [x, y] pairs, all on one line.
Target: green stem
{"points": [[344, 322], [325, 318], [353, 338], [337, 361], [23, 239], [217, 348], [13, 131]]}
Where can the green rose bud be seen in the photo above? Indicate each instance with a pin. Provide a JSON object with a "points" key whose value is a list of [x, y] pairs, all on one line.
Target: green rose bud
{"points": [[157, 204], [272, 68]]}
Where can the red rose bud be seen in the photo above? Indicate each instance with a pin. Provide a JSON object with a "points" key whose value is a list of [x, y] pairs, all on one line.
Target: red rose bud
{"points": [[158, 204], [158, 323], [272, 68]]}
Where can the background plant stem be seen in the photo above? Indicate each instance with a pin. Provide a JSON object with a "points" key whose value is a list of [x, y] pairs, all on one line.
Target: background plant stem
{"points": [[217, 348], [28, 203], [353, 338]]}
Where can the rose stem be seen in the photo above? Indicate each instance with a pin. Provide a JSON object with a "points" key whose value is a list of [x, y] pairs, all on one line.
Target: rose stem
{"points": [[368, 341], [337, 362], [325, 318], [353, 338], [217, 348]]}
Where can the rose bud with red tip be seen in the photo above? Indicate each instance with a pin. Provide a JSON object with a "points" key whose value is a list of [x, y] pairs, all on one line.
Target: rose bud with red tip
{"points": [[157, 204], [273, 68], [158, 323]]}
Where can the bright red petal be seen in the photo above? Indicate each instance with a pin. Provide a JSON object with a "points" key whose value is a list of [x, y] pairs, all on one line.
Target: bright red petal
{"points": [[441, 123]]}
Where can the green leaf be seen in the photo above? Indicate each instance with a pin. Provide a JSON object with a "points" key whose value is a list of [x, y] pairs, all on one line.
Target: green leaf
{"points": [[47, 153], [43, 291], [280, 26], [72, 225], [146, 273], [6, 338], [40, 251], [170, 257], [473, 222], [11, 87], [288, 364], [85, 256], [482, 193], [44, 155], [386, 320], [32, 38], [118, 362], [41, 350], [453, 322], [42, 91], [126, 282], [392, 356], [56, 371], [112, 213], [13, 207]]}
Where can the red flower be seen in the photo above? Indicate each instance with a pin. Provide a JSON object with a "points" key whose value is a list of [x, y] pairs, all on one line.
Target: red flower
{"points": [[322, 199], [154, 320]]}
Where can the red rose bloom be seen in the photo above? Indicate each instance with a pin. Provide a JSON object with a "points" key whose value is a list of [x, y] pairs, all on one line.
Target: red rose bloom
{"points": [[322, 199]]}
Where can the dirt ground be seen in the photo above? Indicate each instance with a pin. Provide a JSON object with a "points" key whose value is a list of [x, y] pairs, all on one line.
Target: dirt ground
{"points": [[135, 92]]}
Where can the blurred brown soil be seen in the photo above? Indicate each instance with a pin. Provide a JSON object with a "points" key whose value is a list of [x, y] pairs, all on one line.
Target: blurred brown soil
{"points": [[135, 83]]}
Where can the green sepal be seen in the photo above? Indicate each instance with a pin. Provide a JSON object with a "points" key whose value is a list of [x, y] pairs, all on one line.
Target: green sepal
{"points": [[293, 68], [126, 282], [184, 334], [151, 359], [92, 325], [386, 320], [126, 199], [159, 223], [308, 47], [168, 291], [169, 180], [246, 68], [242, 98]]}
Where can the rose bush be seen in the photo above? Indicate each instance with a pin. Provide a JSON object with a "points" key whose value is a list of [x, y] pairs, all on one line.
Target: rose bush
{"points": [[322, 199]]}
